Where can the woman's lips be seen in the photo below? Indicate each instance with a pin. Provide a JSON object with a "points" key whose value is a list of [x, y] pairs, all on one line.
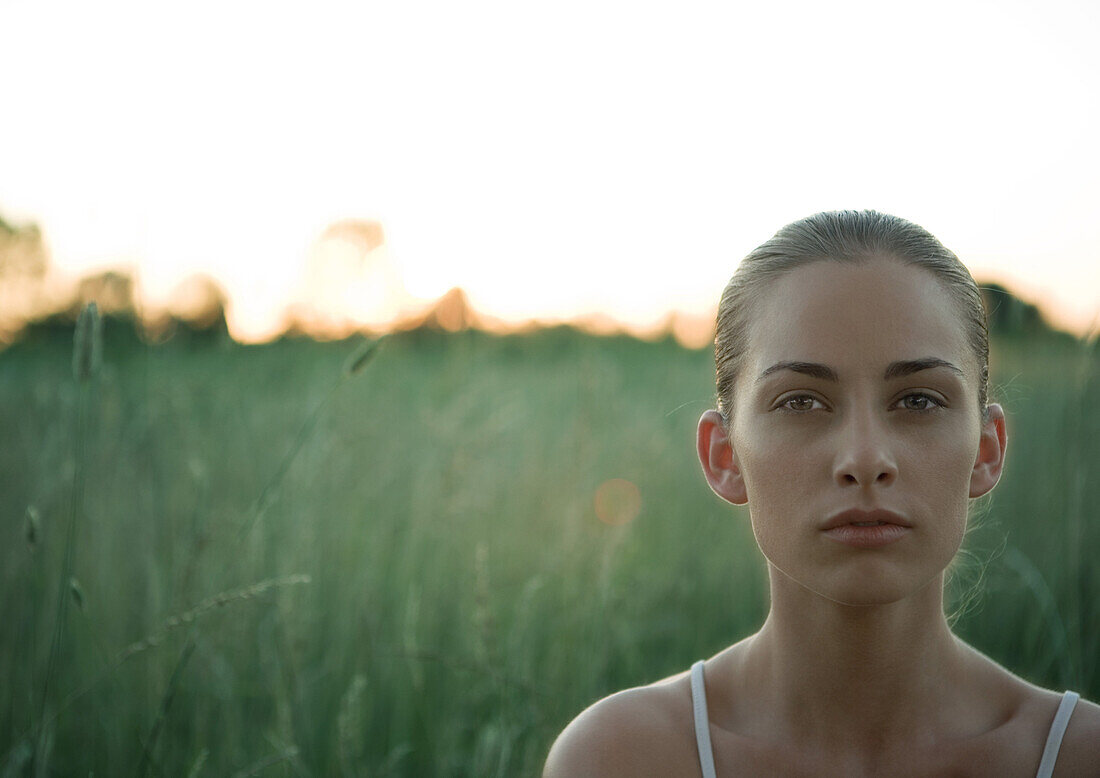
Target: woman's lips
{"points": [[867, 536], [866, 529]]}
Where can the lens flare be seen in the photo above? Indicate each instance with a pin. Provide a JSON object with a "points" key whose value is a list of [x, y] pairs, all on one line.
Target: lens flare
{"points": [[618, 502]]}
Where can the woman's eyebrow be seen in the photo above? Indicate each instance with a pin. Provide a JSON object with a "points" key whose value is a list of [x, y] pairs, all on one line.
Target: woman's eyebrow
{"points": [[898, 369], [908, 367], [814, 369]]}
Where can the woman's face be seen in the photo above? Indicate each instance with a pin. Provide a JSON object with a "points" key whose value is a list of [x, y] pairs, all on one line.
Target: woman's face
{"points": [[858, 391]]}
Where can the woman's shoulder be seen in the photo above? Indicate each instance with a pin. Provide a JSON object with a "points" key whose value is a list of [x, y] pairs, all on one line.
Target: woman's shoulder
{"points": [[647, 730], [1034, 715], [1080, 750]]}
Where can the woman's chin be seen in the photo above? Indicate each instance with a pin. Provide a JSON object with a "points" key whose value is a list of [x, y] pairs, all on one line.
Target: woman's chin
{"points": [[864, 597], [864, 586]]}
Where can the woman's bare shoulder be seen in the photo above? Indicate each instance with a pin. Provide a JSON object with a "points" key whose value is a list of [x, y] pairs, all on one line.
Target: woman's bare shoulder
{"points": [[1080, 752], [647, 730]]}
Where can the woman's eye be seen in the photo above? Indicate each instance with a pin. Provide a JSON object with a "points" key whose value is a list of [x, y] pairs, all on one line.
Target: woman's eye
{"points": [[801, 402], [919, 402]]}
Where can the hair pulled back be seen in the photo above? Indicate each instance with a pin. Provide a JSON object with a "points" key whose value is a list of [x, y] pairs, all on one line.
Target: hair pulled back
{"points": [[841, 236]]}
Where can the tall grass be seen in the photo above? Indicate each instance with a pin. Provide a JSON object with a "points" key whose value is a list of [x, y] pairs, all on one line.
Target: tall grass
{"points": [[86, 357], [464, 600]]}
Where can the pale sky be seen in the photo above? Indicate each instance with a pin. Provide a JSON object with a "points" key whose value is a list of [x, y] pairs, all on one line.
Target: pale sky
{"points": [[553, 159]]}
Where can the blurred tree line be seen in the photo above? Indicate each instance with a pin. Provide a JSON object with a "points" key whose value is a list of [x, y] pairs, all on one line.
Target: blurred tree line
{"points": [[37, 301], [34, 299]]}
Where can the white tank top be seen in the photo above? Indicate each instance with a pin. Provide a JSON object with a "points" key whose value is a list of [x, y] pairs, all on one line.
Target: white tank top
{"points": [[706, 753]]}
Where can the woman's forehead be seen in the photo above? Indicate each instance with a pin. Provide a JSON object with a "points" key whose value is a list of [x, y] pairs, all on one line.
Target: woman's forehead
{"points": [[856, 317]]}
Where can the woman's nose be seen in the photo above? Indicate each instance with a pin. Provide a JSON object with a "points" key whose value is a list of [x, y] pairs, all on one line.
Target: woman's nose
{"points": [[865, 457]]}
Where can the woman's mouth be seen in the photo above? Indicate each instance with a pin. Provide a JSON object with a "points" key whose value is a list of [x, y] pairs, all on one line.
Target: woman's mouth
{"points": [[867, 535], [866, 529]]}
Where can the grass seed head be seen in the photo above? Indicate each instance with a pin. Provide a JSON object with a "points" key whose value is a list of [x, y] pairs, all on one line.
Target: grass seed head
{"points": [[209, 604], [30, 526], [76, 592], [87, 343]]}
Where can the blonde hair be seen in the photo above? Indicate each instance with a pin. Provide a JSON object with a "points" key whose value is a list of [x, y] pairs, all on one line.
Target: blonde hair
{"points": [[841, 236]]}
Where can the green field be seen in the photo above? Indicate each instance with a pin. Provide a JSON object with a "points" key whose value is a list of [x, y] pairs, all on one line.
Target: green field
{"points": [[281, 572]]}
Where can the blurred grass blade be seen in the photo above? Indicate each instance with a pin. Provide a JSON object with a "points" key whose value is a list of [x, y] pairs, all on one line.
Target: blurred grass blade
{"points": [[361, 357], [87, 343], [150, 744]]}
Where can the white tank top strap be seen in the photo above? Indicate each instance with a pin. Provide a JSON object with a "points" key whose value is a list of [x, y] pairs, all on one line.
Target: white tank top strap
{"points": [[702, 721], [1054, 737]]}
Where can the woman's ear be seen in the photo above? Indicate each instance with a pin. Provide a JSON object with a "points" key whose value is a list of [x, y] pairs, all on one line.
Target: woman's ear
{"points": [[719, 461], [991, 453]]}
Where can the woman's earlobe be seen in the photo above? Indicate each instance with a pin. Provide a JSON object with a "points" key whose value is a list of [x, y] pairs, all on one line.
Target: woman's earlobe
{"points": [[991, 453], [719, 461]]}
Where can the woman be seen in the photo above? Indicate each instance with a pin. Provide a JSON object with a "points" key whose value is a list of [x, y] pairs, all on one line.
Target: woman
{"points": [[852, 362]]}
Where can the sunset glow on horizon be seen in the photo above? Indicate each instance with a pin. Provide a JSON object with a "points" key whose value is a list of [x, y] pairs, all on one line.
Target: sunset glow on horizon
{"points": [[348, 164]]}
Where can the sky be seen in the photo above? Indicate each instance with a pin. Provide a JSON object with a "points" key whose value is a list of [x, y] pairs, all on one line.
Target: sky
{"points": [[554, 160]]}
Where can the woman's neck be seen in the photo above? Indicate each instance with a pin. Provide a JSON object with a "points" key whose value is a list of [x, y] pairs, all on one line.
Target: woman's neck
{"points": [[857, 676]]}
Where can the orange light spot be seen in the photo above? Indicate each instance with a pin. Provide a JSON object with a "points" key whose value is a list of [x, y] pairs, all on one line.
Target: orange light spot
{"points": [[618, 502]]}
